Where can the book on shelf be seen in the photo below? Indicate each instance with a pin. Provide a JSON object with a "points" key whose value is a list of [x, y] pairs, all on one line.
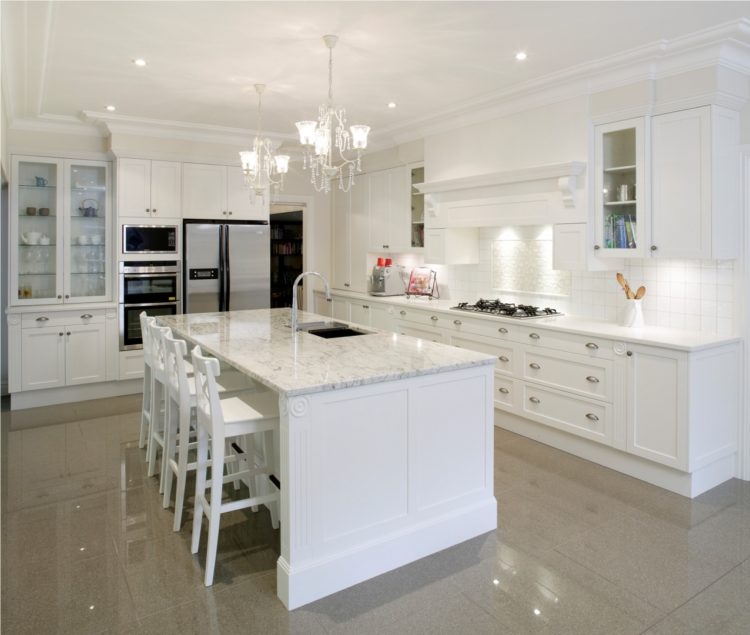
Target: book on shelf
{"points": [[620, 232]]}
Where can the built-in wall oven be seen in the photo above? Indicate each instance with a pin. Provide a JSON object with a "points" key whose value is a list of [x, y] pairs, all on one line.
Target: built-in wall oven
{"points": [[150, 286]]}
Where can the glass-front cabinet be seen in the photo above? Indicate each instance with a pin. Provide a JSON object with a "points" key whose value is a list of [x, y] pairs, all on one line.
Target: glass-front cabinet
{"points": [[417, 206], [621, 193], [60, 230]]}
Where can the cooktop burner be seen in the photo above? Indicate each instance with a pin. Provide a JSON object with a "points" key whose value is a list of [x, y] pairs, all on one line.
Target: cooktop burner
{"points": [[506, 309]]}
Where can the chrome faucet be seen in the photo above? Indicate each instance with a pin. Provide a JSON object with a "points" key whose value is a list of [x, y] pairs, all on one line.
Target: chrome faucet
{"points": [[294, 294]]}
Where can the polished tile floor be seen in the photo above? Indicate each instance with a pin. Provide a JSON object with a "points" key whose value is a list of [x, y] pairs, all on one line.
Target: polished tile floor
{"points": [[87, 548]]}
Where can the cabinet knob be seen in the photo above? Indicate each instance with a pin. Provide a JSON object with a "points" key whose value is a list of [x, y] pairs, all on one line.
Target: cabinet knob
{"points": [[502, 329], [534, 400], [86, 316], [67, 296], [386, 246], [592, 379], [68, 333], [365, 306], [592, 346], [597, 247], [535, 366], [346, 284], [505, 391], [629, 353], [402, 312], [592, 417], [153, 211], [230, 213], [42, 319], [61, 333], [534, 336], [503, 359], [654, 248], [434, 318], [148, 210], [59, 297], [457, 322]]}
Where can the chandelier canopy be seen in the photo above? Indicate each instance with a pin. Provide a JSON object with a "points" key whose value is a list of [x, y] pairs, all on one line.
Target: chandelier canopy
{"points": [[332, 150], [262, 168]]}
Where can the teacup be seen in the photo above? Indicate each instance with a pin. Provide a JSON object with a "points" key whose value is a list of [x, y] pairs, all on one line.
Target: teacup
{"points": [[84, 240], [96, 239], [31, 238], [44, 240]]}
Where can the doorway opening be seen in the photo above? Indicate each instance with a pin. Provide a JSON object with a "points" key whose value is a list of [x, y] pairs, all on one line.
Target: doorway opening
{"points": [[287, 251]]}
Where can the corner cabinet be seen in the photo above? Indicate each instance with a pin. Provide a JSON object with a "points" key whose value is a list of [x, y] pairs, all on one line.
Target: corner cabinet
{"points": [[60, 231], [220, 192]]}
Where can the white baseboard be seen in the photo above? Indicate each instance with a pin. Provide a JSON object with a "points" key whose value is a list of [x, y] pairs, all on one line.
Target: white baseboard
{"points": [[69, 394]]}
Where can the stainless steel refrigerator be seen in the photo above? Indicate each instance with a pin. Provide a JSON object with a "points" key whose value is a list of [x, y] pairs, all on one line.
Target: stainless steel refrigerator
{"points": [[226, 265]]}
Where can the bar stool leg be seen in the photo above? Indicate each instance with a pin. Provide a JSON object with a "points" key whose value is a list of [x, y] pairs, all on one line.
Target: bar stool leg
{"points": [[182, 463], [214, 518], [200, 488], [145, 407], [170, 448], [156, 399]]}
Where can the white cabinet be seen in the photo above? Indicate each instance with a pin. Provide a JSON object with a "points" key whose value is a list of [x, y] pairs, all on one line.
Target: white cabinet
{"points": [[321, 305], [451, 246], [390, 217], [340, 309], [349, 236], [84, 362], [148, 189], [695, 184], [43, 364], [381, 317], [569, 247], [220, 192]]}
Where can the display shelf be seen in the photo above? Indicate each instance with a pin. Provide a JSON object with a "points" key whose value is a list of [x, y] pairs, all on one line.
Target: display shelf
{"points": [[619, 168], [619, 203], [38, 187]]}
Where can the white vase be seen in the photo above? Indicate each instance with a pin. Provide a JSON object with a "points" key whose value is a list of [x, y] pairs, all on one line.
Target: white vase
{"points": [[634, 314]]}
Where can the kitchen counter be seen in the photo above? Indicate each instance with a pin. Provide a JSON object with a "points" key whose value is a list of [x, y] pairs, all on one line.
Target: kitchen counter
{"points": [[675, 339], [385, 444]]}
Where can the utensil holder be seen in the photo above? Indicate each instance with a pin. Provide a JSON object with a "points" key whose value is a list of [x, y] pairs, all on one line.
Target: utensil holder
{"points": [[633, 316]]}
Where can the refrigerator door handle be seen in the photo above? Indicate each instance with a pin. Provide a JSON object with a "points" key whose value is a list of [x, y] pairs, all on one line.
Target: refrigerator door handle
{"points": [[222, 264], [228, 273]]}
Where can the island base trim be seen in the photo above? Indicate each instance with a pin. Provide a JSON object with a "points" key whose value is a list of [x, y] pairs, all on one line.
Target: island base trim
{"points": [[71, 394], [311, 581]]}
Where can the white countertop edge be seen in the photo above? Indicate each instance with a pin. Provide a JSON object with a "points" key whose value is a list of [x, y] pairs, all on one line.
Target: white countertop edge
{"points": [[663, 337]]}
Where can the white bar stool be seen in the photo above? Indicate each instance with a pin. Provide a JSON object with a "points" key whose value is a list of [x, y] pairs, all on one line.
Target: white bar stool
{"points": [[158, 398], [247, 415], [146, 322]]}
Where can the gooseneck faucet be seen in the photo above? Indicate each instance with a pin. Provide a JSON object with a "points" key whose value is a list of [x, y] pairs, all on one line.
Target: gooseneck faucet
{"points": [[294, 294]]}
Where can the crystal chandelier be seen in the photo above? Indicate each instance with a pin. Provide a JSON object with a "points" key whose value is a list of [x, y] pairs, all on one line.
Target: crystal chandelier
{"points": [[263, 169], [327, 140]]}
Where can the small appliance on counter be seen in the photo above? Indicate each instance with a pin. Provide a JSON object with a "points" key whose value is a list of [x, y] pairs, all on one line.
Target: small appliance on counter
{"points": [[386, 279]]}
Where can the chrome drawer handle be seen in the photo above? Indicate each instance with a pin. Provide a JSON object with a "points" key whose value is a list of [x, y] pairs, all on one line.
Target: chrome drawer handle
{"points": [[502, 329], [457, 322], [534, 336], [535, 366], [592, 417], [505, 391], [534, 400], [365, 306], [433, 318], [592, 379], [42, 319], [86, 316], [592, 346], [503, 358], [402, 312]]}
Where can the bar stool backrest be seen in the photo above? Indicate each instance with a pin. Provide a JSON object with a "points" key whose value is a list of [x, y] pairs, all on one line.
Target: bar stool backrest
{"points": [[208, 407], [158, 351], [146, 322], [176, 370]]}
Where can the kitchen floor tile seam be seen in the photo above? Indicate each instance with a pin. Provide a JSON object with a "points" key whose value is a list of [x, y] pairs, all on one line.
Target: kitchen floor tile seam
{"points": [[476, 604]]}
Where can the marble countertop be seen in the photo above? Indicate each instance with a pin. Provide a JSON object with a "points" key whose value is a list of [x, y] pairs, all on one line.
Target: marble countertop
{"points": [[260, 343], [651, 335]]}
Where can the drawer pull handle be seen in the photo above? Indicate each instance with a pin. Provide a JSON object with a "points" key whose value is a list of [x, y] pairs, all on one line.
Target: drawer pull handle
{"points": [[505, 391], [59, 297], [402, 312], [503, 359], [592, 417], [61, 334], [86, 316], [535, 366], [534, 400], [502, 329], [434, 318], [42, 319], [365, 306], [534, 336], [592, 346], [457, 322], [68, 333], [592, 379], [630, 353], [346, 284]]}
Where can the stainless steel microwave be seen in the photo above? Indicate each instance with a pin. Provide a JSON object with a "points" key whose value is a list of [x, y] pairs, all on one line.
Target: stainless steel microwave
{"points": [[149, 239]]}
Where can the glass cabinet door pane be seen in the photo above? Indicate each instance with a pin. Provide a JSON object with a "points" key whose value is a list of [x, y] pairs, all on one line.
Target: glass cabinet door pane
{"points": [[417, 208], [619, 203], [37, 230], [88, 236]]}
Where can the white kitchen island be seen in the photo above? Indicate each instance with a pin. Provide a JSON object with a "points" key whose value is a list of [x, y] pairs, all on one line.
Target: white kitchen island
{"points": [[386, 444]]}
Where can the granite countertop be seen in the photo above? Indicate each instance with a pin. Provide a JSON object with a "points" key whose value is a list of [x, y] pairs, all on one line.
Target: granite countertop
{"points": [[676, 339], [260, 343]]}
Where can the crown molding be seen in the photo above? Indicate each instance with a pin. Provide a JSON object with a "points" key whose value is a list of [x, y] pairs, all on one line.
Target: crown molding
{"points": [[59, 124]]}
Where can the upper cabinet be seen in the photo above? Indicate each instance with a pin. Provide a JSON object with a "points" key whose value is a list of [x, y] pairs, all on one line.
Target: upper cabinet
{"points": [[148, 189], [389, 210], [416, 177], [218, 191], [61, 231], [349, 236]]}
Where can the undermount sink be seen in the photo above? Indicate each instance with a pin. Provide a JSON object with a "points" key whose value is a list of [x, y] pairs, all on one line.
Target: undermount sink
{"points": [[330, 330]]}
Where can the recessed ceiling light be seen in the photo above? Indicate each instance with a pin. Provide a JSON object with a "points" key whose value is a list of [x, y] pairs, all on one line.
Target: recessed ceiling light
{"points": [[139, 62], [391, 104], [521, 56], [111, 108]]}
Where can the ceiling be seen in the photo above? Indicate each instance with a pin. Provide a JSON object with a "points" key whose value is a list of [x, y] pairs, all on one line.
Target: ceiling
{"points": [[63, 58]]}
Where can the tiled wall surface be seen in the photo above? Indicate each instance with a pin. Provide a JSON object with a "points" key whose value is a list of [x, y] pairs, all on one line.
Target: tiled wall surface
{"points": [[683, 294]]}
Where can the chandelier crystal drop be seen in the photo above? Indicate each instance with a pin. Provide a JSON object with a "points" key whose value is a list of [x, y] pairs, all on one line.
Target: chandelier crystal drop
{"points": [[330, 149], [262, 168]]}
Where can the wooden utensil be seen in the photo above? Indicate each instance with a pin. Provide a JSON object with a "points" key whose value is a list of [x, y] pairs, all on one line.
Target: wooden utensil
{"points": [[640, 293], [625, 286]]}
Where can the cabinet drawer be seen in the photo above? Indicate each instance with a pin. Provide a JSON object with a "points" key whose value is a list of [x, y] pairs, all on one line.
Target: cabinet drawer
{"points": [[432, 335], [584, 376], [41, 319], [504, 353], [589, 419], [423, 317], [504, 392], [494, 328], [570, 342]]}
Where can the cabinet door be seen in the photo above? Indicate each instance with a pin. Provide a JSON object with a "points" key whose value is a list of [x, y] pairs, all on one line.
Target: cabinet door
{"points": [[681, 184], [378, 209], [358, 201], [42, 358], [381, 317], [340, 309], [657, 405], [85, 356], [360, 313], [399, 210], [322, 306], [569, 247], [340, 236], [242, 202], [204, 191], [134, 187], [434, 246], [166, 185]]}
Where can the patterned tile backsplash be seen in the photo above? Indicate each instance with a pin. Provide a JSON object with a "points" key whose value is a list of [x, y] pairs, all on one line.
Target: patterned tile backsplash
{"points": [[683, 294]]}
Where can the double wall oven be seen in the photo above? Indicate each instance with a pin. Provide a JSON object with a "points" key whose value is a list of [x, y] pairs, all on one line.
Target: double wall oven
{"points": [[150, 286]]}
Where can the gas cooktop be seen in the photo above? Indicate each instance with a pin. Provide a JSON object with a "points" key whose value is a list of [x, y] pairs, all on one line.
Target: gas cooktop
{"points": [[506, 309]]}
